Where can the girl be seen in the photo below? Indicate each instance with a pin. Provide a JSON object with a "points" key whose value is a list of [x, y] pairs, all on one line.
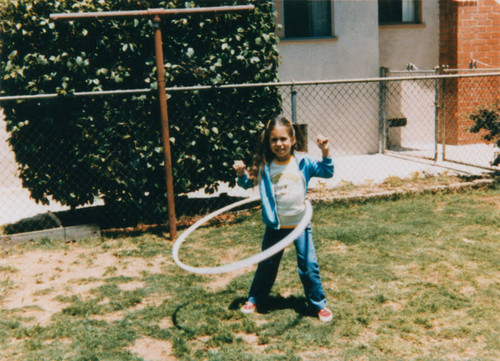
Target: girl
{"points": [[283, 175]]}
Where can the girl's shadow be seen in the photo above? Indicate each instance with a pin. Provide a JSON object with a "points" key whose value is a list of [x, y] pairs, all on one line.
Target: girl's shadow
{"points": [[275, 303]]}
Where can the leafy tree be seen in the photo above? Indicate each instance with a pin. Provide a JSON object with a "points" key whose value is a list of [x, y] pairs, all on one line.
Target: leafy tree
{"points": [[76, 149], [487, 119]]}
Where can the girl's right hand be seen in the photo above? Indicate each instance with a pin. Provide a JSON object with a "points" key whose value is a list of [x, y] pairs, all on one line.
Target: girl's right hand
{"points": [[240, 167]]}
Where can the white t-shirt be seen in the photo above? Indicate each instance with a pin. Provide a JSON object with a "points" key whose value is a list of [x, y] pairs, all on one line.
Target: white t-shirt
{"points": [[289, 192]]}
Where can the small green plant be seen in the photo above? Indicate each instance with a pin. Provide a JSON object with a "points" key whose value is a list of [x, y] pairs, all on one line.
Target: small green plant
{"points": [[346, 186], [487, 119], [394, 181]]}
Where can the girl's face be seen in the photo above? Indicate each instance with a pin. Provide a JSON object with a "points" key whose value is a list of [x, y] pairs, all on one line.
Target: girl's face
{"points": [[281, 143]]}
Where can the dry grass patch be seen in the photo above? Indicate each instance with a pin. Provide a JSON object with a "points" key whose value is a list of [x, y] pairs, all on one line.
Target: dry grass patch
{"points": [[151, 349]]}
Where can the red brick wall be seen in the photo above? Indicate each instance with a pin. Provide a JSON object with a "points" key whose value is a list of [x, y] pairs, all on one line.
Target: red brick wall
{"points": [[469, 31]]}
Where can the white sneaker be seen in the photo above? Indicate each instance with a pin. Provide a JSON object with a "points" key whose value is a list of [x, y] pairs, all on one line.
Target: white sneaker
{"points": [[325, 315], [248, 307]]}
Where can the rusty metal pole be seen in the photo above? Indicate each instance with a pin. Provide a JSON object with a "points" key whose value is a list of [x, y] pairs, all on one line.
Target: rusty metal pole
{"points": [[165, 129], [160, 68]]}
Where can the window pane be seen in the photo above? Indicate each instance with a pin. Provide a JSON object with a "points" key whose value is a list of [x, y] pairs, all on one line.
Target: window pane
{"points": [[390, 11], [320, 18], [409, 10], [307, 18], [398, 11], [296, 14]]}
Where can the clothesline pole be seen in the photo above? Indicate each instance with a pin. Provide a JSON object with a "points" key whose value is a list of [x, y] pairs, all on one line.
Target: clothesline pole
{"points": [[160, 73]]}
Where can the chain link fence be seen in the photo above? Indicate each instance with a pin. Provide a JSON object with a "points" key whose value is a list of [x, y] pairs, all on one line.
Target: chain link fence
{"points": [[460, 97], [429, 118], [415, 114]]}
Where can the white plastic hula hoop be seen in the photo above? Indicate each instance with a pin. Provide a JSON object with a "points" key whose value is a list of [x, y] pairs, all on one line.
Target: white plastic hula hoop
{"points": [[271, 251]]}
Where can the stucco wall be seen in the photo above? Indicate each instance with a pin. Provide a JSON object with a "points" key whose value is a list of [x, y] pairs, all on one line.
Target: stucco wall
{"points": [[417, 44], [361, 46], [353, 53], [359, 49]]}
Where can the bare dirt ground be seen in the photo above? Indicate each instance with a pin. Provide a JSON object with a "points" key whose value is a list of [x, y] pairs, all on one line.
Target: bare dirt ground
{"points": [[38, 277]]}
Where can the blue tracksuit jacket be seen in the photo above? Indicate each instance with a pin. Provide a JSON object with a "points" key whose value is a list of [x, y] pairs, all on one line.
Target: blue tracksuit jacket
{"points": [[309, 168]]}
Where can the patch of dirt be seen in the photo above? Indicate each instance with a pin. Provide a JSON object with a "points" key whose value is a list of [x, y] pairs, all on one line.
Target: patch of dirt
{"points": [[39, 276], [339, 247], [151, 349], [252, 340], [130, 286], [220, 281], [153, 301], [493, 200]]}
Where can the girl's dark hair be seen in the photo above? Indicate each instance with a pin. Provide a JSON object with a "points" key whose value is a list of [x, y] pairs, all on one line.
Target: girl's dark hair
{"points": [[263, 153]]}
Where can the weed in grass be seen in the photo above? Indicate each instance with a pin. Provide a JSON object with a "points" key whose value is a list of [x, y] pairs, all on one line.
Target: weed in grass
{"points": [[83, 308], [45, 291], [345, 186], [381, 298], [394, 181], [46, 244], [111, 270], [423, 322]]}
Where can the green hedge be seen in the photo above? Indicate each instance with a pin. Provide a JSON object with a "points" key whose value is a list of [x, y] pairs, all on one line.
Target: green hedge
{"points": [[75, 149]]}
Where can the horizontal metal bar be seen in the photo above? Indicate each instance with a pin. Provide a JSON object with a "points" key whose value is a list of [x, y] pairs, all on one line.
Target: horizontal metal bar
{"points": [[76, 94], [113, 92], [492, 168], [412, 71], [440, 164], [150, 12], [471, 70], [250, 85], [325, 82], [27, 97], [224, 86]]}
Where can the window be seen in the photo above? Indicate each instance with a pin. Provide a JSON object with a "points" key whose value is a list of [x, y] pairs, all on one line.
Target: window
{"points": [[398, 11], [307, 18]]}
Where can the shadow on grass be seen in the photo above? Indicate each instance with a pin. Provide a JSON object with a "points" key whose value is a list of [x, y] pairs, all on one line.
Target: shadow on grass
{"points": [[175, 317], [276, 303], [273, 303]]}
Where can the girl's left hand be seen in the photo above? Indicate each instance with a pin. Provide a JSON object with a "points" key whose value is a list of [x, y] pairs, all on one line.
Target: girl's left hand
{"points": [[323, 142], [324, 145]]}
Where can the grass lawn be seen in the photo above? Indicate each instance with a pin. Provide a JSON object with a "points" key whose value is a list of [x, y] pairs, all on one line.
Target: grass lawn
{"points": [[416, 278]]}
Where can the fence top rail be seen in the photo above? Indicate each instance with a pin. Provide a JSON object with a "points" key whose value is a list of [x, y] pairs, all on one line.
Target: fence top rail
{"points": [[149, 12], [247, 85], [412, 71], [471, 70], [338, 81], [75, 94]]}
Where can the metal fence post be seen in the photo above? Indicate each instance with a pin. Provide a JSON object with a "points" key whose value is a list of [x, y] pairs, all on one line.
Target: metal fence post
{"points": [[443, 118], [294, 104], [436, 114], [302, 127], [382, 123]]}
